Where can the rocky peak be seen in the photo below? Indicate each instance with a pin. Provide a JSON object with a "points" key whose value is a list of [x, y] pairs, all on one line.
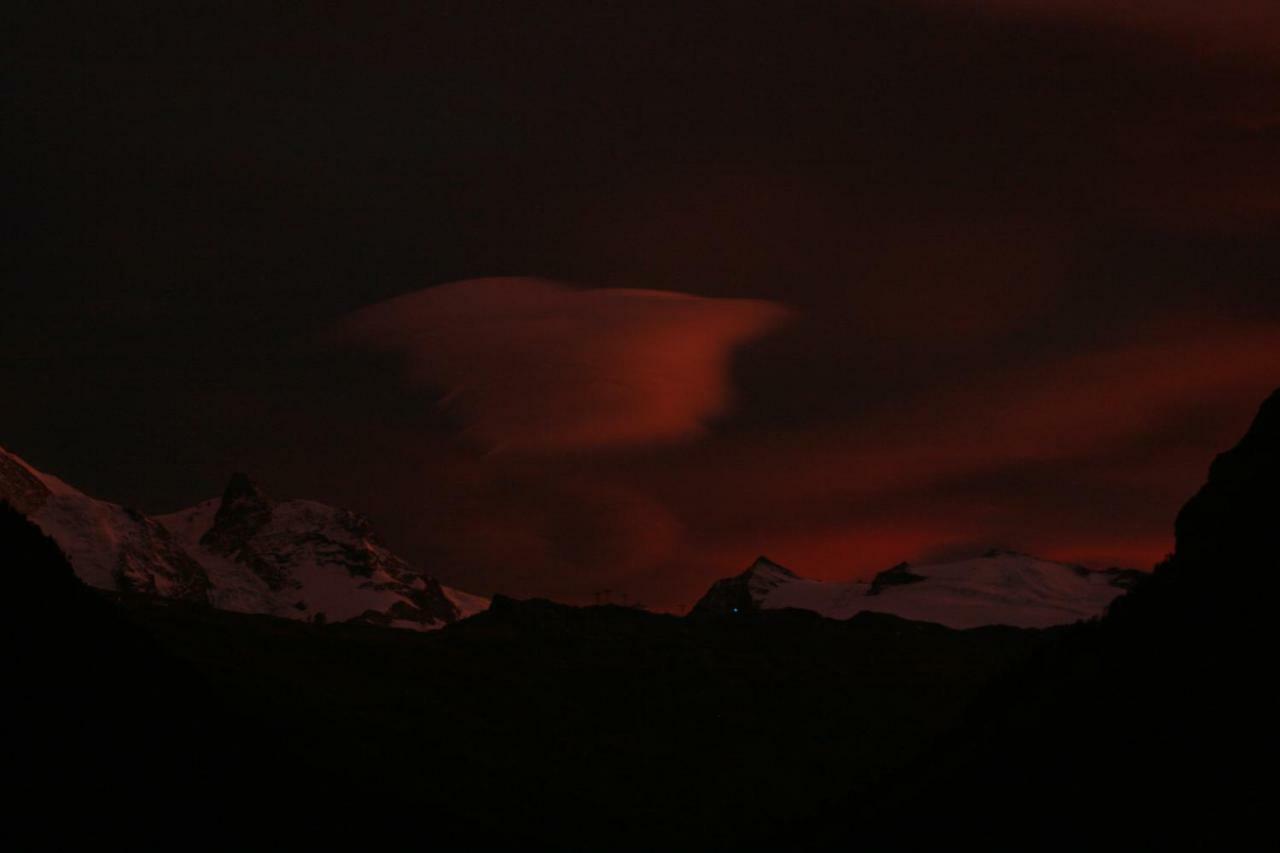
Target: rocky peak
{"points": [[740, 593], [763, 564], [898, 575], [245, 509], [244, 496]]}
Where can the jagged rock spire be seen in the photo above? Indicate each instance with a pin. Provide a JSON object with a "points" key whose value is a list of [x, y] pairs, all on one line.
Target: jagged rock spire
{"points": [[244, 510]]}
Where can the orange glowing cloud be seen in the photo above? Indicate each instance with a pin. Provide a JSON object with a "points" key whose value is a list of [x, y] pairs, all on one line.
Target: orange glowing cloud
{"points": [[533, 365]]}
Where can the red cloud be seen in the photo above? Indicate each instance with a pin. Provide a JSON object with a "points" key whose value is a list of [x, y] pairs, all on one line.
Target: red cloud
{"points": [[533, 365], [1085, 458]]}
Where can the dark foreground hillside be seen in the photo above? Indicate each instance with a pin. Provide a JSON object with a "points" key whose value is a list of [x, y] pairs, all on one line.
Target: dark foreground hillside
{"points": [[538, 726], [533, 725], [1154, 728]]}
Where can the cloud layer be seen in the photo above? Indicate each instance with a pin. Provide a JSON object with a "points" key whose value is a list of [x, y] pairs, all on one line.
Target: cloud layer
{"points": [[533, 365]]}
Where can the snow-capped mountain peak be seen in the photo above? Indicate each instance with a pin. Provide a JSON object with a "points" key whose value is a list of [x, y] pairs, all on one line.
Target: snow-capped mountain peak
{"points": [[242, 512], [244, 552], [1000, 587]]}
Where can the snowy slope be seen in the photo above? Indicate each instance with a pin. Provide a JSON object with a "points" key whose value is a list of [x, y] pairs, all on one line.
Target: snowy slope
{"points": [[109, 546], [998, 588], [243, 552]]}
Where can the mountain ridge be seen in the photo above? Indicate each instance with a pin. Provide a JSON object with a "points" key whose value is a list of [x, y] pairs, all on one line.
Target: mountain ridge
{"points": [[1000, 587], [244, 552]]}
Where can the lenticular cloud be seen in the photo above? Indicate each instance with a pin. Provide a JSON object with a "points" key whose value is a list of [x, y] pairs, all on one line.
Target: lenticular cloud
{"points": [[534, 365]]}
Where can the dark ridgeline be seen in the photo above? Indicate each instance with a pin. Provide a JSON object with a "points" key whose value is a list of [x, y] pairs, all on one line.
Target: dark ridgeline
{"points": [[1235, 514], [540, 726], [531, 726], [1155, 727]]}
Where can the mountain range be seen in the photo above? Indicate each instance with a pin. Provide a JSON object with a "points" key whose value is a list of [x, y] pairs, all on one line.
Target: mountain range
{"points": [[298, 559], [534, 725], [999, 587], [243, 552]]}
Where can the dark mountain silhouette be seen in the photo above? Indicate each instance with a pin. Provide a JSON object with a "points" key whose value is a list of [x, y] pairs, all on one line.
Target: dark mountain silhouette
{"points": [[117, 735], [1236, 513], [530, 726], [540, 726], [105, 729], [1152, 727]]}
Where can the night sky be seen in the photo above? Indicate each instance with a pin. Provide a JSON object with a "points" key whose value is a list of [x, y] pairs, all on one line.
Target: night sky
{"points": [[619, 296]]}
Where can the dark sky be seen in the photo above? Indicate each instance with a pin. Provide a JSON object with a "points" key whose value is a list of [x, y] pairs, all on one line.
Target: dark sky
{"points": [[675, 284]]}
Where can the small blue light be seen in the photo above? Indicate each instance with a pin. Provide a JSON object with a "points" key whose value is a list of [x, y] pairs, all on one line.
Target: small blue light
{"points": [[735, 610]]}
